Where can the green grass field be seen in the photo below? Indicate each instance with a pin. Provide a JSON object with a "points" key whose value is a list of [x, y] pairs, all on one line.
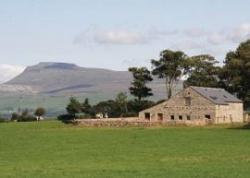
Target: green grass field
{"points": [[52, 149]]}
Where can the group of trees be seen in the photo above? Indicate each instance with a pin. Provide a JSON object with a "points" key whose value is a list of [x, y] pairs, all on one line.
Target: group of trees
{"points": [[25, 115], [172, 66], [121, 106], [200, 70]]}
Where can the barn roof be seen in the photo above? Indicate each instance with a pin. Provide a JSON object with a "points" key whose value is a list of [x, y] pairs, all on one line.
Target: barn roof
{"points": [[216, 95]]}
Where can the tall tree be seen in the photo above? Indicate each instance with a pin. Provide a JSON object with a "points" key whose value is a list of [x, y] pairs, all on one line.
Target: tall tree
{"points": [[86, 107], [236, 71], [39, 112], [122, 101], [73, 107], [169, 67], [201, 71], [141, 76]]}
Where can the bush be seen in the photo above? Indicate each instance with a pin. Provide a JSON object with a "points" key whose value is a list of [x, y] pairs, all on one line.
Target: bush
{"points": [[14, 117], [24, 117], [3, 120], [130, 114], [27, 118], [65, 117], [84, 116]]}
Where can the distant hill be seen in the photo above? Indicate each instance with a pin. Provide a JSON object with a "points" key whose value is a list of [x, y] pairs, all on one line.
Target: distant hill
{"points": [[54, 78], [50, 84]]}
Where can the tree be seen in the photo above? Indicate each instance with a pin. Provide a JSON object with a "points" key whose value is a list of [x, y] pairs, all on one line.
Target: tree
{"points": [[14, 116], [201, 71], [108, 107], [121, 100], [24, 116], [169, 67], [141, 76], [236, 71], [73, 107], [39, 112], [134, 107], [86, 107]]}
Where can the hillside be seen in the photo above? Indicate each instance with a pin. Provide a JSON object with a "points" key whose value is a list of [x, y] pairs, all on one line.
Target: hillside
{"points": [[50, 85], [51, 78]]}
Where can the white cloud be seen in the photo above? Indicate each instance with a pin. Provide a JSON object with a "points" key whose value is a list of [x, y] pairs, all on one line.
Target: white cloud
{"points": [[187, 45], [195, 32], [240, 33], [120, 37], [216, 38], [7, 71], [96, 35]]}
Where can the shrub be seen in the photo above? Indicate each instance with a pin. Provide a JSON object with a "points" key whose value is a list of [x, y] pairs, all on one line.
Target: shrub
{"points": [[65, 117], [24, 117], [130, 114], [3, 120], [14, 117]]}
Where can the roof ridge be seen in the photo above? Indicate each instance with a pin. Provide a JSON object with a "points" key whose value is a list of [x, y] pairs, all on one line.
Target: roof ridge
{"points": [[213, 88]]}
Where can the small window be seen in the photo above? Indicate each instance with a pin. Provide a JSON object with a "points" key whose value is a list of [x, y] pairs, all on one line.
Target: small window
{"points": [[188, 117], [147, 115], [207, 116], [172, 117], [160, 116], [180, 117], [188, 101]]}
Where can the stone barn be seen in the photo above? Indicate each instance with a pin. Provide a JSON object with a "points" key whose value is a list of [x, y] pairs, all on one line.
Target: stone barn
{"points": [[197, 105]]}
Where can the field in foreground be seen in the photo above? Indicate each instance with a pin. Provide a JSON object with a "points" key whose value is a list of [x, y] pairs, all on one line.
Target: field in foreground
{"points": [[52, 149]]}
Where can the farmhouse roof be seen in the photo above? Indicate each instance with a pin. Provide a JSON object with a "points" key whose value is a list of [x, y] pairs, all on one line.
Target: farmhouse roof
{"points": [[216, 95]]}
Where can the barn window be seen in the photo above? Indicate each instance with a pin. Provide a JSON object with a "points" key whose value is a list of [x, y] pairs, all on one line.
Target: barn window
{"points": [[172, 117], [147, 115], [180, 117], [160, 116], [187, 101], [207, 116], [188, 117]]}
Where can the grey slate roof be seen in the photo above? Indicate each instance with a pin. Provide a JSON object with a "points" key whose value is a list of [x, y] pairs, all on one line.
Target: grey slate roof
{"points": [[216, 95]]}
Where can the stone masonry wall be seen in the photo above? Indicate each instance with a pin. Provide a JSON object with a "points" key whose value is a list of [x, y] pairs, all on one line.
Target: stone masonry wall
{"points": [[177, 107], [233, 112]]}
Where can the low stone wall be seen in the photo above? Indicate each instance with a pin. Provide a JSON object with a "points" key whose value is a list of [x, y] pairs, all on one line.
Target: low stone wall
{"points": [[124, 122]]}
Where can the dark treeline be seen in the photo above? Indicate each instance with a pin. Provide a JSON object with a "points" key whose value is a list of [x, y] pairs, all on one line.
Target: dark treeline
{"points": [[121, 106], [171, 66]]}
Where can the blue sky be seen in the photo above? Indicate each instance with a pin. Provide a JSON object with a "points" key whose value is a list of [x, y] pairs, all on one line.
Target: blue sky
{"points": [[116, 34]]}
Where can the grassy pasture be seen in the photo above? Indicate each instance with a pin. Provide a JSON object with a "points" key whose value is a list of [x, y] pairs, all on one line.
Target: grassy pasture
{"points": [[52, 149]]}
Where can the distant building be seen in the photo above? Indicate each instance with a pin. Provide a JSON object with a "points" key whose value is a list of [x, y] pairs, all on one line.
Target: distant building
{"points": [[197, 105]]}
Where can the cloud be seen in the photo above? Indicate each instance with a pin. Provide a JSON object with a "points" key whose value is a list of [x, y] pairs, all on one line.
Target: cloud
{"points": [[216, 38], [189, 39], [187, 45], [195, 32], [8, 72], [120, 37], [96, 35], [156, 32], [240, 33]]}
